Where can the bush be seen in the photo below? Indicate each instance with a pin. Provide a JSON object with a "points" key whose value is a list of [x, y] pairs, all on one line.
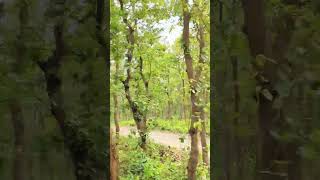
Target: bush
{"points": [[157, 163]]}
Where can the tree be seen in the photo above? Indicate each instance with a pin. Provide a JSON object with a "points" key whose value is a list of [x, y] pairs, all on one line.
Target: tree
{"points": [[257, 56], [200, 8], [114, 161], [137, 38], [15, 106], [193, 77]]}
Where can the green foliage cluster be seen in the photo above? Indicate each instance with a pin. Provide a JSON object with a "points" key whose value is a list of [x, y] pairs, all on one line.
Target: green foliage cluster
{"points": [[163, 64], [159, 162]]}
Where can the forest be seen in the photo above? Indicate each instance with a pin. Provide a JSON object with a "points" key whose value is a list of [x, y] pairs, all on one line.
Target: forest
{"points": [[53, 90], [159, 89], [266, 86]]}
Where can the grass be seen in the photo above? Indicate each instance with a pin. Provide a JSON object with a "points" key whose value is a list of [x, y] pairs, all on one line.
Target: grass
{"points": [[172, 125], [157, 163]]}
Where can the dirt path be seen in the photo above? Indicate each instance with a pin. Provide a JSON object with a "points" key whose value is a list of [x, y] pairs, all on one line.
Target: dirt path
{"points": [[164, 137]]}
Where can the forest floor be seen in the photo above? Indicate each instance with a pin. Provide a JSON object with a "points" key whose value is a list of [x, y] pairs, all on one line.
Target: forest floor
{"points": [[164, 137]]}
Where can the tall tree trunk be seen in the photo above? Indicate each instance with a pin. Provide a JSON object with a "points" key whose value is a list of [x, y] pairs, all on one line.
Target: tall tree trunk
{"points": [[255, 30], [201, 40], [82, 158], [51, 69], [221, 155], [269, 149], [138, 115], [102, 28], [193, 131]]}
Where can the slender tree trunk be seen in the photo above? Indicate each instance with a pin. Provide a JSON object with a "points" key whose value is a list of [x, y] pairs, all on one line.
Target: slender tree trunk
{"points": [[138, 115], [102, 19], [255, 30], [114, 160], [203, 136], [116, 113], [193, 131], [201, 40]]}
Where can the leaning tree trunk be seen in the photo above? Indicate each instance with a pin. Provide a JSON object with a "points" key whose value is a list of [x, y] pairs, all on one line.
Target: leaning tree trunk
{"points": [[138, 115], [79, 146]]}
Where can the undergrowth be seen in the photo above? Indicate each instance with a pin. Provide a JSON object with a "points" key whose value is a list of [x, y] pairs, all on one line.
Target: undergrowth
{"points": [[157, 163]]}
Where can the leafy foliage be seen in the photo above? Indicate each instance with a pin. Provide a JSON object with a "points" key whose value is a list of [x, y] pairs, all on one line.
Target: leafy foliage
{"points": [[157, 163]]}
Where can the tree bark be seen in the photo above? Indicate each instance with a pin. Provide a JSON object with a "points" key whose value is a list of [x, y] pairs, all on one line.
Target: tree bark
{"points": [[238, 145], [114, 160], [193, 131], [138, 116], [116, 113], [269, 148], [203, 134]]}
